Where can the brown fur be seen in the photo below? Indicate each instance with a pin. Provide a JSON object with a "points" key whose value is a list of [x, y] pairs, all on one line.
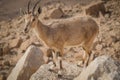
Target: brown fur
{"points": [[67, 32]]}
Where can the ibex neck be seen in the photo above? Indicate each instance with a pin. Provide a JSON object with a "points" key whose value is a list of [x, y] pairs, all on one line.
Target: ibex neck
{"points": [[41, 30]]}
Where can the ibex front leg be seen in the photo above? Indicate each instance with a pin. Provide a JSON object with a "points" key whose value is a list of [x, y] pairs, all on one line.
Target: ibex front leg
{"points": [[57, 59], [86, 57]]}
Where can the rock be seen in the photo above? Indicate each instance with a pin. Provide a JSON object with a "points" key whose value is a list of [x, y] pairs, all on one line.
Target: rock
{"points": [[6, 49], [116, 46], [109, 41], [1, 51], [7, 63], [1, 63], [111, 50], [5, 33], [68, 73], [102, 68], [15, 43], [5, 69], [27, 65], [99, 47], [94, 9], [56, 13], [1, 77], [117, 23], [107, 16], [28, 42], [25, 45]]}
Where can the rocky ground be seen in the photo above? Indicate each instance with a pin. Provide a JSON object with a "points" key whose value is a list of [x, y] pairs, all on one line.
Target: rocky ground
{"points": [[14, 42]]}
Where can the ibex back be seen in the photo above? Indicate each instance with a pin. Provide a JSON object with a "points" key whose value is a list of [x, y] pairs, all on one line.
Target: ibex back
{"points": [[67, 32]]}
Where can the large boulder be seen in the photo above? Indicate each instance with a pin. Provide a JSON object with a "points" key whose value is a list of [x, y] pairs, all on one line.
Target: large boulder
{"points": [[95, 9], [102, 68], [70, 70], [56, 13], [27, 65]]}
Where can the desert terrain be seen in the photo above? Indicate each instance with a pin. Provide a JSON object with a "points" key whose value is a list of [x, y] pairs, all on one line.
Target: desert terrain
{"points": [[14, 42]]}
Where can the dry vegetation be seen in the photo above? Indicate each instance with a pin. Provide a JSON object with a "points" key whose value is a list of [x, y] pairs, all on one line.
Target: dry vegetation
{"points": [[13, 42]]}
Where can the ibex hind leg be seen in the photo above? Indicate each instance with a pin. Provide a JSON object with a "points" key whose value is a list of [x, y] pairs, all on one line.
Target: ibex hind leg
{"points": [[86, 57], [87, 47], [57, 61]]}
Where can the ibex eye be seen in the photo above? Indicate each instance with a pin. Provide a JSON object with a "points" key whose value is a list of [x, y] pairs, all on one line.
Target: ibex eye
{"points": [[33, 19]]}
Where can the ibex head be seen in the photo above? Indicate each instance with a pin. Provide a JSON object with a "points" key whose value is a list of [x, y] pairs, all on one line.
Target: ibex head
{"points": [[31, 17]]}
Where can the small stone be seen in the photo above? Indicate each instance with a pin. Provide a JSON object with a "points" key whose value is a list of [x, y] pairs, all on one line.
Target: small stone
{"points": [[6, 49], [80, 63], [116, 46], [107, 15], [52, 66], [15, 43], [1, 63], [99, 47], [1, 51], [109, 41], [5, 33], [5, 67], [117, 23], [7, 63]]}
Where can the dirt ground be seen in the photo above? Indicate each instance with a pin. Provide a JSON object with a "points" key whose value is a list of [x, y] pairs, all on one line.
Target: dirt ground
{"points": [[12, 37]]}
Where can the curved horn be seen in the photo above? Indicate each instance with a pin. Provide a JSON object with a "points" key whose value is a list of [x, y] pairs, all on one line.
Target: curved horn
{"points": [[29, 6], [35, 6]]}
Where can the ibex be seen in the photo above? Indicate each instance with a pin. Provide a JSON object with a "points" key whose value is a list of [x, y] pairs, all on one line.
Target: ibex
{"points": [[67, 32]]}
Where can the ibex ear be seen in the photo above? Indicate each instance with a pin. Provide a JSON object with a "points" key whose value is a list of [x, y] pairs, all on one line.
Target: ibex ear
{"points": [[39, 10]]}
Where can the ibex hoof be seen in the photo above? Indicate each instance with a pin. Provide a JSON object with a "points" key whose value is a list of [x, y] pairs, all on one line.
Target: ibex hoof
{"points": [[80, 63], [54, 69]]}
